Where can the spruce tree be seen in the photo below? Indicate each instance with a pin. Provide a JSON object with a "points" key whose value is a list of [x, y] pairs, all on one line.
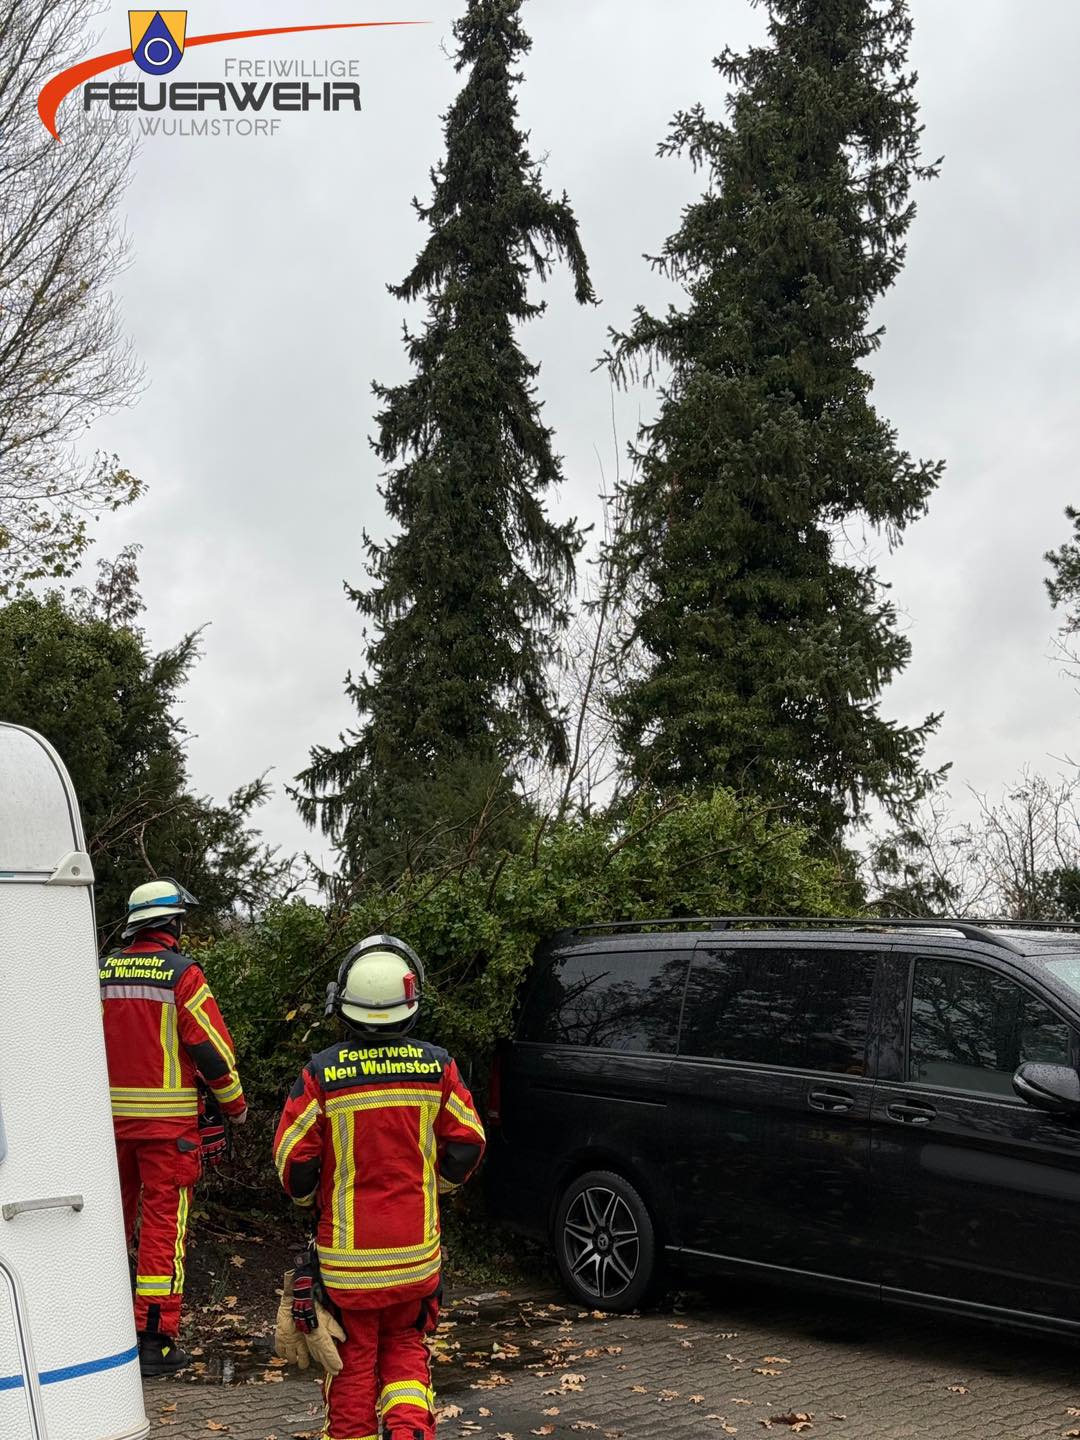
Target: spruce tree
{"points": [[468, 597], [765, 644]]}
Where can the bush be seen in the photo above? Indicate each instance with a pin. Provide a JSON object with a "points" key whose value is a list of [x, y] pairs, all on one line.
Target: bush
{"points": [[476, 925]]}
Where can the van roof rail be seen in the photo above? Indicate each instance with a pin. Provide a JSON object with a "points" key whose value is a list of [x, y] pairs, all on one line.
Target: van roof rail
{"points": [[970, 929]]}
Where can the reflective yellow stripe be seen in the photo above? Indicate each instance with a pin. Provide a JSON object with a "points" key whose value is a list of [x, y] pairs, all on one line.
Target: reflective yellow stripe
{"points": [[404, 1254], [232, 1091], [127, 1112], [383, 1098], [429, 1157], [446, 1187], [341, 1208], [153, 1284], [153, 1104], [178, 1253], [413, 1269], [465, 1115], [197, 1007], [406, 1392], [170, 1048], [294, 1134], [339, 1278]]}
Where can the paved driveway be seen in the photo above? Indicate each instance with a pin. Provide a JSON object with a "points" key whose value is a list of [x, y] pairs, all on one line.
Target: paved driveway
{"points": [[738, 1365]]}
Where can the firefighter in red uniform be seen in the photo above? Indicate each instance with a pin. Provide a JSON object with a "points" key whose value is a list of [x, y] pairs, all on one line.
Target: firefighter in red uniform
{"points": [[375, 1130], [164, 1035]]}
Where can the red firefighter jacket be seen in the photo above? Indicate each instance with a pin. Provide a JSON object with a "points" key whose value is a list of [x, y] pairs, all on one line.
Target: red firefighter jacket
{"points": [[163, 1033], [372, 1135]]}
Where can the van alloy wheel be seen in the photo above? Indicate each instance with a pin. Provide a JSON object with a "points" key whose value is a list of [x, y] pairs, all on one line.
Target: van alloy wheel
{"points": [[602, 1243]]}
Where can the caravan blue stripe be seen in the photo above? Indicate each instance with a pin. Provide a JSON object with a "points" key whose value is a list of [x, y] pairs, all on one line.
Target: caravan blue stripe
{"points": [[74, 1372]]}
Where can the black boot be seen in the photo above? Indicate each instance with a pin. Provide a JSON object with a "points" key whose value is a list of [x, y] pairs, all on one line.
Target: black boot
{"points": [[161, 1355]]}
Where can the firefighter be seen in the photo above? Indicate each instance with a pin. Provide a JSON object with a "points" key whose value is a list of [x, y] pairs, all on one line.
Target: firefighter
{"points": [[375, 1130], [164, 1038]]}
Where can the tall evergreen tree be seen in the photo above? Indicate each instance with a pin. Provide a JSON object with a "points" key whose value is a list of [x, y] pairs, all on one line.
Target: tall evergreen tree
{"points": [[467, 598], [765, 644]]}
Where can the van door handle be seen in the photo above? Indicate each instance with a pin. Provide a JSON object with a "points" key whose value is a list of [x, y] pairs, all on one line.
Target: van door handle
{"points": [[911, 1112], [834, 1100], [63, 1202]]}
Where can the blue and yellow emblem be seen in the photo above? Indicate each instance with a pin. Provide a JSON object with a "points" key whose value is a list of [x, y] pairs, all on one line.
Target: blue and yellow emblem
{"points": [[157, 39]]}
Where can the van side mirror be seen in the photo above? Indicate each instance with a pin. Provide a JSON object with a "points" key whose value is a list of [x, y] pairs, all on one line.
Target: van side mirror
{"points": [[1055, 1088]]}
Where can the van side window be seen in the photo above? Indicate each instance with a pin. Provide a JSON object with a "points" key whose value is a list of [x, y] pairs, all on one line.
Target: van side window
{"points": [[610, 1000], [803, 1009], [971, 1029]]}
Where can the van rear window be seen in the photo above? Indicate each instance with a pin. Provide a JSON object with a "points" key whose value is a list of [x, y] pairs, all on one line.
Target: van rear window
{"points": [[609, 1000]]}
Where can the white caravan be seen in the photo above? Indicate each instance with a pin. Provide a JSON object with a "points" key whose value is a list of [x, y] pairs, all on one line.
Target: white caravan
{"points": [[69, 1367]]}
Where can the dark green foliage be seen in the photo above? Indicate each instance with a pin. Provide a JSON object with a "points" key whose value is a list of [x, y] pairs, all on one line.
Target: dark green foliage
{"points": [[95, 692], [1064, 585], [469, 596], [904, 879], [767, 643], [476, 925]]}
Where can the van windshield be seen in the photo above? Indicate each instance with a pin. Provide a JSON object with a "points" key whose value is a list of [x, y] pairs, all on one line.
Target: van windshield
{"points": [[1067, 969]]}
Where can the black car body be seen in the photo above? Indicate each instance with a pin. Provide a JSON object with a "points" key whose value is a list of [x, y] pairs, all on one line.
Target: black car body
{"points": [[837, 1105]]}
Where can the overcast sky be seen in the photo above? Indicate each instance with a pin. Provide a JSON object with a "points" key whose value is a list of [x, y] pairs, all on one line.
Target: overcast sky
{"points": [[256, 299]]}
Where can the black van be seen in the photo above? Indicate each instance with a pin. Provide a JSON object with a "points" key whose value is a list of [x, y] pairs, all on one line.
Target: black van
{"points": [[886, 1108]]}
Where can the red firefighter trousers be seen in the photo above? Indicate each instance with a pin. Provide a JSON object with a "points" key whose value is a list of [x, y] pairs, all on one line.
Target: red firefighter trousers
{"points": [[386, 1372], [163, 1173]]}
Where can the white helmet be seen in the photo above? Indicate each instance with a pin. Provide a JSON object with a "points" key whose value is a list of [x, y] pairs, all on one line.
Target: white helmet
{"points": [[379, 985], [156, 900]]}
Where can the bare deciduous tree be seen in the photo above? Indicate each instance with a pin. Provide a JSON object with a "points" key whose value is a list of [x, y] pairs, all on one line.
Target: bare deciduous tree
{"points": [[1019, 859], [63, 359], [596, 656]]}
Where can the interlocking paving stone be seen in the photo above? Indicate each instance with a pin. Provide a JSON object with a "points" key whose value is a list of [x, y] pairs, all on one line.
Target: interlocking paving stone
{"points": [[863, 1373]]}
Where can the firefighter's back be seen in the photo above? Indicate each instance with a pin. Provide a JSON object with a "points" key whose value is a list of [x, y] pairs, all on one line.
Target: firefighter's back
{"points": [[379, 1206], [68, 1358]]}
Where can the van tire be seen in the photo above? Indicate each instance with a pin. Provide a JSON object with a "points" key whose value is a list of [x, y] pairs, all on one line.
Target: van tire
{"points": [[605, 1242]]}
